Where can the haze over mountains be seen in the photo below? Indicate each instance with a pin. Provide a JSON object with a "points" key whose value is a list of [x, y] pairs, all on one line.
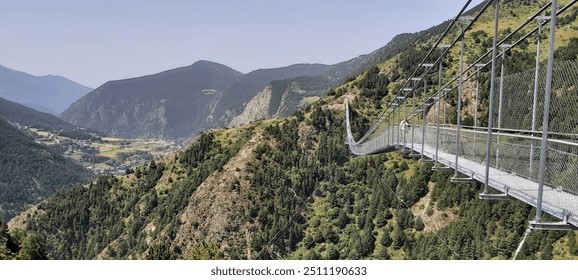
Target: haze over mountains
{"points": [[50, 94], [23, 115], [169, 104], [180, 103], [177, 103]]}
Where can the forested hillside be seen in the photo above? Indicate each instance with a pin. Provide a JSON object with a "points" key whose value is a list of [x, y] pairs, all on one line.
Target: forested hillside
{"points": [[31, 172], [288, 188], [20, 245], [300, 195]]}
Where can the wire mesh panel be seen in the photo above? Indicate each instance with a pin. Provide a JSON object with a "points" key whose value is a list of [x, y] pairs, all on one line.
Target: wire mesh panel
{"points": [[515, 109], [518, 108], [473, 145], [519, 111], [512, 155], [562, 167]]}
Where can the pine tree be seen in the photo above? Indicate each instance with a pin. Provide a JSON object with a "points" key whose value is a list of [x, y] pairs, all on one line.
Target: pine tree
{"points": [[383, 254], [572, 247], [385, 239], [31, 249]]}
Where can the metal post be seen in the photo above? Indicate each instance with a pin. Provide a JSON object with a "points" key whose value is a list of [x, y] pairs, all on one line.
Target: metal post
{"points": [[389, 134], [438, 113], [463, 21], [491, 105], [504, 48], [404, 128], [412, 109], [478, 67], [415, 80], [424, 122], [404, 120], [412, 121], [392, 127], [446, 90], [544, 143], [541, 20], [398, 127]]}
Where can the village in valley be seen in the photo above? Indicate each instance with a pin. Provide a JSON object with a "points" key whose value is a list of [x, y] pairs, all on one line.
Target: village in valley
{"points": [[102, 155]]}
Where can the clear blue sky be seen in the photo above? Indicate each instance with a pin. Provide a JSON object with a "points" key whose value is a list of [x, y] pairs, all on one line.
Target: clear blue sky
{"points": [[92, 42]]}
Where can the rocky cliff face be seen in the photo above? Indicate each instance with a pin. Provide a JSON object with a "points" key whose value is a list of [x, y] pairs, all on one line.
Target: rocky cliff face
{"points": [[256, 109], [179, 103], [283, 97]]}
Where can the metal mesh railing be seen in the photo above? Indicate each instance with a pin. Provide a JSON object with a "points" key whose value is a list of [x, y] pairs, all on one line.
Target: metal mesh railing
{"points": [[517, 101], [510, 160], [520, 154], [515, 148]]}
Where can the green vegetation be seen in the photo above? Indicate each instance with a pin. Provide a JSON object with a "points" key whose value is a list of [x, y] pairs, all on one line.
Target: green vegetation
{"points": [[112, 213], [31, 172], [17, 244], [287, 175], [289, 189], [308, 199], [306, 101]]}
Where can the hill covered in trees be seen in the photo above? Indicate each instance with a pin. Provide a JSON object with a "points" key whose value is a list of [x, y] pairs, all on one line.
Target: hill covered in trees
{"points": [[285, 189], [288, 188], [31, 172]]}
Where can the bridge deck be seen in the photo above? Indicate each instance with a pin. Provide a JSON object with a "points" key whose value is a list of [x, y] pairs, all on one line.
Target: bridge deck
{"points": [[555, 201]]}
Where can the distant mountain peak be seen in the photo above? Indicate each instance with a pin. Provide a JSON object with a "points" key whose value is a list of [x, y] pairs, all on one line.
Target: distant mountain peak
{"points": [[48, 93], [197, 97]]}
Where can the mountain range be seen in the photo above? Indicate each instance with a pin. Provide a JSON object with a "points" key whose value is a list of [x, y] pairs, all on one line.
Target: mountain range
{"points": [[50, 94], [180, 103], [280, 98], [288, 188], [170, 104]]}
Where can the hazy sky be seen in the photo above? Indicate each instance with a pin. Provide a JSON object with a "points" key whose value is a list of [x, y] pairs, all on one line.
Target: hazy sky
{"points": [[92, 42]]}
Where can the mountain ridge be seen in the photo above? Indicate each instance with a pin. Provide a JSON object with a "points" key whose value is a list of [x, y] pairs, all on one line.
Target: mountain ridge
{"points": [[48, 93], [288, 188], [143, 106], [181, 102], [280, 98]]}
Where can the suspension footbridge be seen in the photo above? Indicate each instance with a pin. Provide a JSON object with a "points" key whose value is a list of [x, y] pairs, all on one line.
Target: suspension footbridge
{"points": [[527, 148]]}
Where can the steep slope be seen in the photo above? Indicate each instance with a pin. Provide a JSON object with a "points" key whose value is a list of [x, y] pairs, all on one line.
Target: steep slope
{"points": [[281, 189], [30, 172], [170, 104], [23, 115], [281, 98], [250, 84], [51, 94], [289, 188], [176, 104]]}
